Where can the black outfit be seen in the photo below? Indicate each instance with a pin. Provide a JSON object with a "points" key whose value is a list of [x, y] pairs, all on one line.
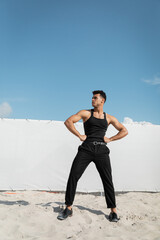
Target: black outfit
{"points": [[92, 149]]}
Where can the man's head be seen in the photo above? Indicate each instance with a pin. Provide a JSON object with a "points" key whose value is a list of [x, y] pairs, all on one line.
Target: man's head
{"points": [[99, 98]]}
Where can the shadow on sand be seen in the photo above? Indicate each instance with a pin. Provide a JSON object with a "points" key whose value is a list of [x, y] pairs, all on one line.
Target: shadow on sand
{"points": [[62, 206], [23, 203]]}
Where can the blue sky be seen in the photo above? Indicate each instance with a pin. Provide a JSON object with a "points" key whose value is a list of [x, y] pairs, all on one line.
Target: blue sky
{"points": [[55, 53]]}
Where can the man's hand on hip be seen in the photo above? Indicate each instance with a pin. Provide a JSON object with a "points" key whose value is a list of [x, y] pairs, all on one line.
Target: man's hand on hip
{"points": [[107, 140], [82, 137]]}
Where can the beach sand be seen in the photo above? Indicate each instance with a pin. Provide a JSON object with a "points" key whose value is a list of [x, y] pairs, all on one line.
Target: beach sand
{"points": [[33, 215]]}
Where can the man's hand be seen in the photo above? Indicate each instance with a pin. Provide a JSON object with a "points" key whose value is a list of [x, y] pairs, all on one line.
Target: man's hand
{"points": [[107, 140], [82, 137]]}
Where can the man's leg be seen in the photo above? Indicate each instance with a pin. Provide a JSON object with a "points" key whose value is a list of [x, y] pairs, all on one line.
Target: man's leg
{"points": [[79, 165], [102, 162], [104, 168]]}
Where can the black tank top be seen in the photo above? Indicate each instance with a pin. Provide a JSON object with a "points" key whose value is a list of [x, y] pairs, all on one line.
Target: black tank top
{"points": [[95, 128]]}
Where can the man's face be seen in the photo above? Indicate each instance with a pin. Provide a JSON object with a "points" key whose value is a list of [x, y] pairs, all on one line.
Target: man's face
{"points": [[97, 100]]}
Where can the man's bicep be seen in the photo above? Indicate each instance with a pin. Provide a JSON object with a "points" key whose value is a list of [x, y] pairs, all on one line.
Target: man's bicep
{"points": [[116, 123], [75, 117]]}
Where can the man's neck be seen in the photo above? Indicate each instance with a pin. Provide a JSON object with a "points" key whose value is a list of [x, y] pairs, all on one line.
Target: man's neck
{"points": [[98, 109]]}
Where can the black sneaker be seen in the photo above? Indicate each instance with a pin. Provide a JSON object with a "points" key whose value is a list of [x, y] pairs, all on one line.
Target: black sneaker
{"points": [[65, 213], [113, 217]]}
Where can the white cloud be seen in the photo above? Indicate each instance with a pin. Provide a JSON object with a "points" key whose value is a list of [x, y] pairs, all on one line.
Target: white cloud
{"points": [[154, 81], [5, 109], [128, 120]]}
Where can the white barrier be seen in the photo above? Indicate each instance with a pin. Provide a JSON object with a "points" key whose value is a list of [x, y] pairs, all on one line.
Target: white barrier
{"points": [[37, 155]]}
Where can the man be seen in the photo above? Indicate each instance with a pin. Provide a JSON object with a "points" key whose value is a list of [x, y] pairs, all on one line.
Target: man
{"points": [[94, 149]]}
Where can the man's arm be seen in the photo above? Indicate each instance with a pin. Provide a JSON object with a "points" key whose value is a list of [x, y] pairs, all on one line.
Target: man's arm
{"points": [[120, 127], [73, 119]]}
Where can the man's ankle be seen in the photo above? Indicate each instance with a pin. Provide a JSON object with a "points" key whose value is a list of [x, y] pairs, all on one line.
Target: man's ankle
{"points": [[69, 207], [113, 210]]}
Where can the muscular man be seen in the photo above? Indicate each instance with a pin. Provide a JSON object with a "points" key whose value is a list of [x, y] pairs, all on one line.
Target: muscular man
{"points": [[94, 149]]}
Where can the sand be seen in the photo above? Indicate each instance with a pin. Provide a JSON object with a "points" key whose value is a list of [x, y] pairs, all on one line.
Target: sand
{"points": [[33, 215]]}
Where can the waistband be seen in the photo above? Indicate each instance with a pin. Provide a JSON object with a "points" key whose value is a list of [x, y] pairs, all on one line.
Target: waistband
{"points": [[96, 143]]}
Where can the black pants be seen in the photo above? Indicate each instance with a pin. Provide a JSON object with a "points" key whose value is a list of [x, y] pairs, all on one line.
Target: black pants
{"points": [[99, 154]]}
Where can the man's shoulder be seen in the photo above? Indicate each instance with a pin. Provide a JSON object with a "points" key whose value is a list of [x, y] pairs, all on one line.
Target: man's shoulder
{"points": [[84, 112], [111, 119]]}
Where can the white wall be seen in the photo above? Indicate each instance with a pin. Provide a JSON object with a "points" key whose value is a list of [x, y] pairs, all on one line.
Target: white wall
{"points": [[38, 155]]}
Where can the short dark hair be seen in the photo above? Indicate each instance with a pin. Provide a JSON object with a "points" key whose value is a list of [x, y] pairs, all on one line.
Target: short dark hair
{"points": [[101, 93]]}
